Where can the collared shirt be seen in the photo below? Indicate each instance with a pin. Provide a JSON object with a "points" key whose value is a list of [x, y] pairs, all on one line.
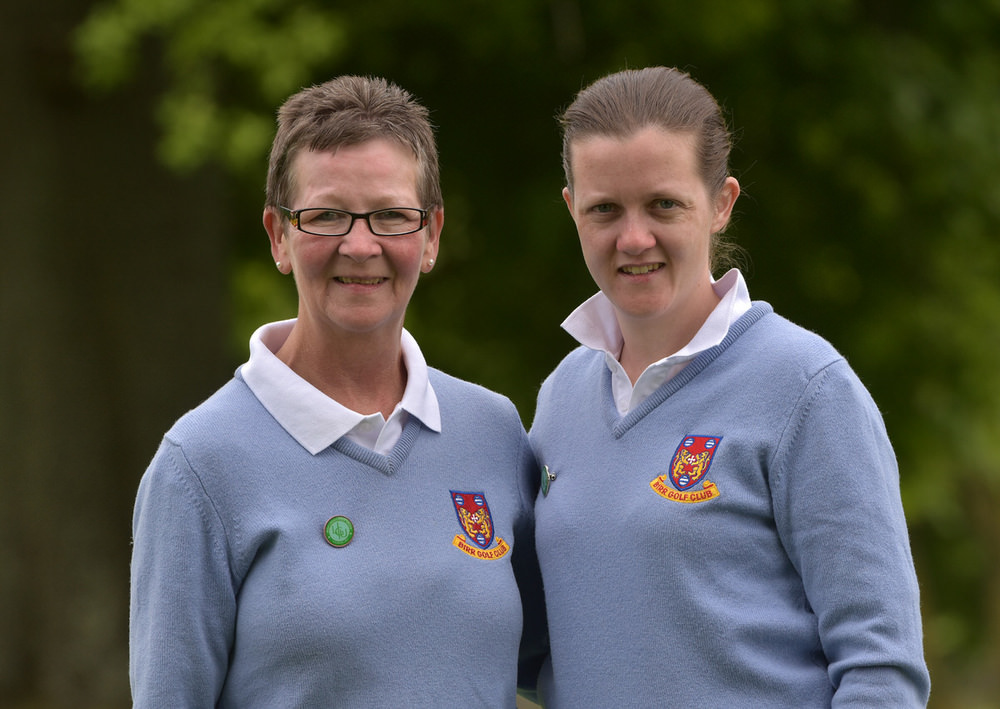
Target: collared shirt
{"points": [[313, 418], [594, 325]]}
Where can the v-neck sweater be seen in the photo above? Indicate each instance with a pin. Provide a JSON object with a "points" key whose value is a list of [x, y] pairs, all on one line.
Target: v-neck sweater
{"points": [[239, 601], [737, 540]]}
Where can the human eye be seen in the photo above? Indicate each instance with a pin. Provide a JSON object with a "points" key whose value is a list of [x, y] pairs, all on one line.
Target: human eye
{"points": [[401, 220], [323, 221], [603, 209], [665, 204], [391, 216]]}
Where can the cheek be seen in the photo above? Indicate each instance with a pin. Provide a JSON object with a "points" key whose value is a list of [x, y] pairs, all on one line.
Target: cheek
{"points": [[406, 259], [597, 247], [312, 253], [598, 258]]}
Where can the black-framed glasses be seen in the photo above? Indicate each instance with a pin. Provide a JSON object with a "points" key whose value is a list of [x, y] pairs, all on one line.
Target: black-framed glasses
{"points": [[394, 221]]}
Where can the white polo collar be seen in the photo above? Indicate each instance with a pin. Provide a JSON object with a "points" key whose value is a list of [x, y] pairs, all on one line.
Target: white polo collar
{"points": [[313, 418]]}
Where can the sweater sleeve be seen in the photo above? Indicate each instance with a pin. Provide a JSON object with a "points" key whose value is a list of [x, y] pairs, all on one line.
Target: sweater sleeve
{"points": [[835, 488], [183, 604], [534, 630]]}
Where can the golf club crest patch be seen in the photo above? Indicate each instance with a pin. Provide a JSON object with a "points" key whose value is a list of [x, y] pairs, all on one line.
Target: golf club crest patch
{"points": [[477, 539], [686, 480]]}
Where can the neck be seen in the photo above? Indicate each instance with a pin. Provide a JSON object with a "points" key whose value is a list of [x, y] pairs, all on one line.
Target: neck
{"points": [[649, 340], [363, 372]]}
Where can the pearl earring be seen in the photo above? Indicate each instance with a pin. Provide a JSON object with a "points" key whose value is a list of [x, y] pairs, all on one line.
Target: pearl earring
{"points": [[430, 263], [278, 264]]}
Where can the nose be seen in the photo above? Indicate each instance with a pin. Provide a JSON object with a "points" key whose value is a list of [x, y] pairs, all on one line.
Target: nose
{"points": [[359, 243], [635, 236]]}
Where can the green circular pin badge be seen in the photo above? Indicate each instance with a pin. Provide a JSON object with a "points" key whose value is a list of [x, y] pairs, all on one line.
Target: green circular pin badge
{"points": [[547, 477], [339, 531]]}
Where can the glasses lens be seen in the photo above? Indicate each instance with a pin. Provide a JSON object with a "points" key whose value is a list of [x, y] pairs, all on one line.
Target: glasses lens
{"points": [[324, 221], [390, 222]]}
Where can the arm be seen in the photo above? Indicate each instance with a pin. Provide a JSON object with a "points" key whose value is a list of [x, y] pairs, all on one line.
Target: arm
{"points": [[183, 604], [534, 632], [838, 510]]}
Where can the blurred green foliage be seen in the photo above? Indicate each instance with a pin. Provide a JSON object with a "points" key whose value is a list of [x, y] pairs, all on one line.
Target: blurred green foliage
{"points": [[869, 152]]}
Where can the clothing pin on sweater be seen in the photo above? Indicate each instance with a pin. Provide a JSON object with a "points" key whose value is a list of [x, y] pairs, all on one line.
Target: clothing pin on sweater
{"points": [[547, 477], [339, 531]]}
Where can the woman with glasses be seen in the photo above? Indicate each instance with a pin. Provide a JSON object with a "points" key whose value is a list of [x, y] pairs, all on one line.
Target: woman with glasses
{"points": [[339, 525], [720, 521]]}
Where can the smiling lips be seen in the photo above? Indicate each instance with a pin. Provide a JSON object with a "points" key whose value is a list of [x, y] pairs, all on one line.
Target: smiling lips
{"points": [[641, 269], [348, 280]]}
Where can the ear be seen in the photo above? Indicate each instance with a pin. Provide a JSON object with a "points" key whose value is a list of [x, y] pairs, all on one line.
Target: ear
{"points": [[724, 202], [568, 199], [274, 225], [435, 223]]}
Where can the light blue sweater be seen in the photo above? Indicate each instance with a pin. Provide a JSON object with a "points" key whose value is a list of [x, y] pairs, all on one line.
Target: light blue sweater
{"points": [[737, 540], [239, 601]]}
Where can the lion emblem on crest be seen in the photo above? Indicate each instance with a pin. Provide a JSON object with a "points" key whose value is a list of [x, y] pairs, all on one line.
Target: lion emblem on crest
{"points": [[474, 517], [691, 460]]}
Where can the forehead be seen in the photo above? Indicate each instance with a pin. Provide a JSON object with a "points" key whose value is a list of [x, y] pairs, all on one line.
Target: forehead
{"points": [[378, 168], [648, 146], [650, 157]]}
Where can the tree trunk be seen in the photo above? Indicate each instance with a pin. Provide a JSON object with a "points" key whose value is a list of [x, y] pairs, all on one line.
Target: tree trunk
{"points": [[112, 293]]}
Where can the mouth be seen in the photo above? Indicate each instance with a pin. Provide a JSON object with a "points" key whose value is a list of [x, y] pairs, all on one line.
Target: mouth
{"points": [[641, 270], [352, 281]]}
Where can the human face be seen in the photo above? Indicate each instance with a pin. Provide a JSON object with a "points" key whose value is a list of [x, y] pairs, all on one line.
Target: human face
{"points": [[645, 219], [359, 282]]}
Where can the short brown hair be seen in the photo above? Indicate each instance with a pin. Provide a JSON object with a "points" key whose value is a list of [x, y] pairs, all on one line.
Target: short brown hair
{"points": [[623, 103], [349, 110]]}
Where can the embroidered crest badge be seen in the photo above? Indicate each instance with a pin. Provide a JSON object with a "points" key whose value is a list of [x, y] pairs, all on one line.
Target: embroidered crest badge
{"points": [[688, 467], [476, 522]]}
